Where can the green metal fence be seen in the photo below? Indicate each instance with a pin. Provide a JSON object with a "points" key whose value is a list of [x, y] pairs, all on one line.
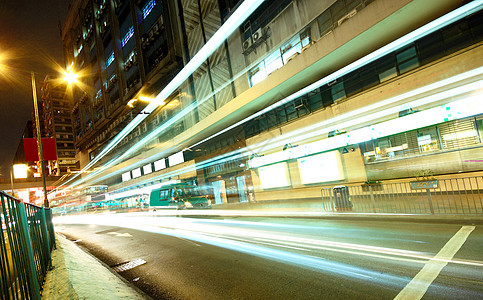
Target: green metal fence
{"points": [[435, 196], [26, 242]]}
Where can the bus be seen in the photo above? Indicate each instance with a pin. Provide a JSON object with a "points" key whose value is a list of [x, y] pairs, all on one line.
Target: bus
{"points": [[179, 196]]}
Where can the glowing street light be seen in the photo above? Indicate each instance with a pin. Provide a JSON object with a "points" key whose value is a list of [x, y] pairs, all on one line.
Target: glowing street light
{"points": [[70, 77]]}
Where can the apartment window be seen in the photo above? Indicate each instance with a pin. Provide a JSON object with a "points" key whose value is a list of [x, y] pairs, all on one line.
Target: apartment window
{"points": [[457, 36], [109, 60], [325, 23], [430, 47], [148, 7], [338, 92], [291, 48], [386, 67], [128, 36], [258, 74], [273, 62], [407, 60]]}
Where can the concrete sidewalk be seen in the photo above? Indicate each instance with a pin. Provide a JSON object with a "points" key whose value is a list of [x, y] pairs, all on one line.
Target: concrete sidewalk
{"points": [[78, 275]]}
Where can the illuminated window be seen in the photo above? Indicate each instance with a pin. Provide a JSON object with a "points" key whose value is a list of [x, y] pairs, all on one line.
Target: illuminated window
{"points": [[176, 159], [131, 55], [128, 36], [159, 165], [110, 59], [148, 8], [258, 74], [273, 62], [136, 173], [291, 48], [126, 176], [321, 168], [428, 139], [147, 169], [274, 176]]}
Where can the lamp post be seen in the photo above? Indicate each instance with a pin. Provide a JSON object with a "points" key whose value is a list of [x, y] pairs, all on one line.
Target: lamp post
{"points": [[70, 77], [39, 138]]}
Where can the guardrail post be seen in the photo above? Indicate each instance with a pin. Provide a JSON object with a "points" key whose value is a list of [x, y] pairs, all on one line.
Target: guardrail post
{"points": [[45, 233], [430, 200], [50, 227], [32, 271], [373, 201]]}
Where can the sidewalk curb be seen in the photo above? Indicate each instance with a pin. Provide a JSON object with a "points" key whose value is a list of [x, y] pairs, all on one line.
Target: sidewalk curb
{"points": [[77, 274]]}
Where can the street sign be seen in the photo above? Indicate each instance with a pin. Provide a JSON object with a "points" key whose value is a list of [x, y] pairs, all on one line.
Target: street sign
{"points": [[422, 185]]}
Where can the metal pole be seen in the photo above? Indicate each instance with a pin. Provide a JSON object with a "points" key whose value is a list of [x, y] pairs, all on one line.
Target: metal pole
{"points": [[11, 182], [430, 200], [39, 138]]}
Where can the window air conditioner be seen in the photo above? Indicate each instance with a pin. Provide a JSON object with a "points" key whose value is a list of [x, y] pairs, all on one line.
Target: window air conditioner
{"points": [[292, 57], [247, 44], [257, 35], [346, 17]]}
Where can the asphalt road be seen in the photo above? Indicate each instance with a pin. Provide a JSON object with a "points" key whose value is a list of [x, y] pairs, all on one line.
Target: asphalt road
{"points": [[282, 258]]}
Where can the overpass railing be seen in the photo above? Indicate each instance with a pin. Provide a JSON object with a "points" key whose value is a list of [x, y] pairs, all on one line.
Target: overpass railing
{"points": [[436, 196], [25, 246]]}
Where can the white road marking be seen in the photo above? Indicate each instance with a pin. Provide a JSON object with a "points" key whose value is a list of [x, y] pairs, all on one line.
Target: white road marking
{"points": [[186, 240], [418, 286], [120, 234]]}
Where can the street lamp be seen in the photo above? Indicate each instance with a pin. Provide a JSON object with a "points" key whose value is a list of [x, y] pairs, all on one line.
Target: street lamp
{"points": [[70, 77]]}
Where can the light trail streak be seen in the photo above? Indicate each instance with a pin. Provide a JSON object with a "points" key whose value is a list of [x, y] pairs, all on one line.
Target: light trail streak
{"points": [[312, 131], [245, 9], [260, 251], [194, 226], [418, 33]]}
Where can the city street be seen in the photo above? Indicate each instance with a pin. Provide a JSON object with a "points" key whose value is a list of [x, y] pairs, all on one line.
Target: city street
{"points": [[282, 258]]}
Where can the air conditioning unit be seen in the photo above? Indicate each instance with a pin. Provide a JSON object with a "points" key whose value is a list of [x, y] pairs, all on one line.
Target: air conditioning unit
{"points": [[292, 57], [247, 44], [257, 35], [346, 17]]}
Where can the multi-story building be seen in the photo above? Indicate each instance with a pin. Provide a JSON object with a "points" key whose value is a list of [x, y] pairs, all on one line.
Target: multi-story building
{"points": [[56, 123], [327, 91]]}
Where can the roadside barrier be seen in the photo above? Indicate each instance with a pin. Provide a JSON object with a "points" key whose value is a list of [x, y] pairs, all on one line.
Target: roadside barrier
{"points": [[25, 245], [434, 196]]}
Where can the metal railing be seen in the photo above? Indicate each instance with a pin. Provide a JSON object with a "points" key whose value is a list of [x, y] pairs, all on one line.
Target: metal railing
{"points": [[445, 196], [25, 246]]}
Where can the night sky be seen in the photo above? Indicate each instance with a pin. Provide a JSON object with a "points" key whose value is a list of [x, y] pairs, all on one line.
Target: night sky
{"points": [[29, 41]]}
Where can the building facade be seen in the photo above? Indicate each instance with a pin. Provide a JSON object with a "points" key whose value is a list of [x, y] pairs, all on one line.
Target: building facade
{"points": [[56, 118], [303, 85]]}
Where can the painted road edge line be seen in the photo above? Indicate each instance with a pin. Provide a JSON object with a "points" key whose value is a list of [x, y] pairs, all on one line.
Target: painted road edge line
{"points": [[418, 286]]}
